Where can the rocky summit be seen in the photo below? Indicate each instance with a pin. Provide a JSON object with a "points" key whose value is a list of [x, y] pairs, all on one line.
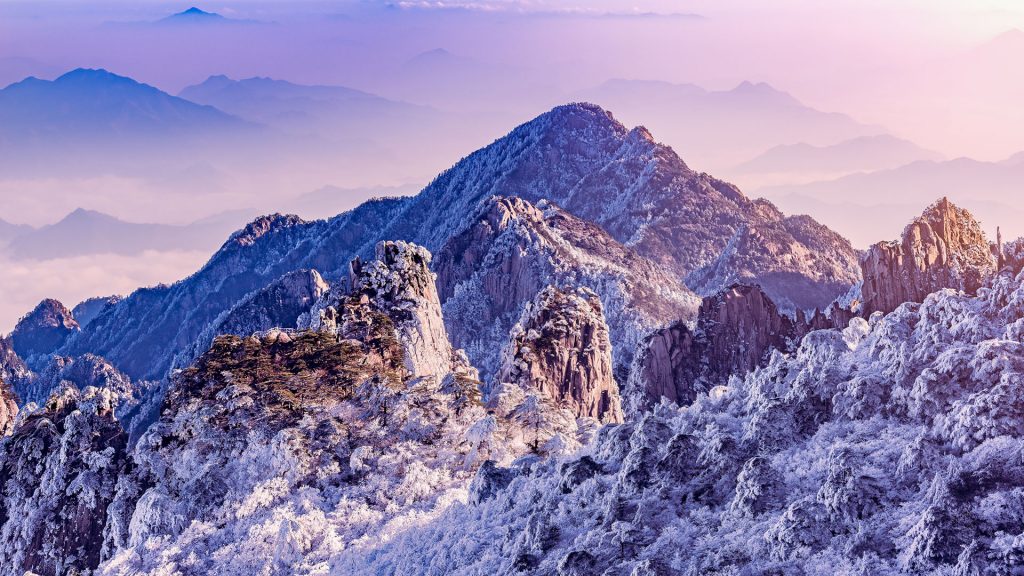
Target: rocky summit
{"points": [[943, 248]]}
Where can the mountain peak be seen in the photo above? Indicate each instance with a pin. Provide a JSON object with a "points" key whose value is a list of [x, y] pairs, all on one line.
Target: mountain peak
{"points": [[197, 12]]}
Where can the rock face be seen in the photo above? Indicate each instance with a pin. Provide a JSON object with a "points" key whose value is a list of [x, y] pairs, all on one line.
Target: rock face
{"points": [[943, 248], [43, 330], [735, 332], [87, 310], [561, 348], [58, 471], [400, 284], [12, 368], [278, 305], [8, 408], [512, 250]]}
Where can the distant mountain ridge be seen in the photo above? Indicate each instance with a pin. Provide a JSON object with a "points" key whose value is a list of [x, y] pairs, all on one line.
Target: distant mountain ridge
{"points": [[718, 129], [84, 232]]}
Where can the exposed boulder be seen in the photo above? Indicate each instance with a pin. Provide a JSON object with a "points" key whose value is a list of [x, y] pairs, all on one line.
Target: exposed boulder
{"points": [[43, 330], [735, 332], [943, 248], [560, 348], [58, 471]]}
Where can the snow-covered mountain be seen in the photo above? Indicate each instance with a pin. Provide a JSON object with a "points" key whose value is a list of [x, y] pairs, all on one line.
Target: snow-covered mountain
{"points": [[673, 220], [510, 373]]}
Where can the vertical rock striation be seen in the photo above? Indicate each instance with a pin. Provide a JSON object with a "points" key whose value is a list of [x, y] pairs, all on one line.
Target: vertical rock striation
{"points": [[943, 248], [400, 284], [735, 332], [561, 348]]}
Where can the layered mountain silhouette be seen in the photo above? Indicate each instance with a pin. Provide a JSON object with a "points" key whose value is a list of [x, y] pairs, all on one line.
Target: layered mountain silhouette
{"points": [[84, 232], [885, 199], [91, 120], [719, 129], [320, 109], [867, 153]]}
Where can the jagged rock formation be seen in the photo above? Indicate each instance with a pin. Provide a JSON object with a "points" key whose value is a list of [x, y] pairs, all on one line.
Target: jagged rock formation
{"points": [[12, 369], [576, 156], [561, 348], [43, 330], [735, 332], [8, 408], [144, 333], [58, 471], [512, 250], [943, 248], [400, 284], [312, 440], [87, 310]]}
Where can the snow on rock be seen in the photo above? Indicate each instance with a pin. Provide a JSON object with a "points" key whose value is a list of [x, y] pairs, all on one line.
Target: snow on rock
{"points": [[58, 470], [274, 453], [736, 331], [8, 408], [943, 248], [560, 347], [42, 331], [892, 447], [400, 284], [511, 250], [277, 305]]}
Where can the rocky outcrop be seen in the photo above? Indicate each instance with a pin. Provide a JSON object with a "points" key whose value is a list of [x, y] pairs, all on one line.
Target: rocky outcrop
{"points": [[561, 348], [58, 471], [400, 284], [8, 408], [12, 369], [513, 249], [43, 330], [735, 332], [278, 305], [943, 248]]}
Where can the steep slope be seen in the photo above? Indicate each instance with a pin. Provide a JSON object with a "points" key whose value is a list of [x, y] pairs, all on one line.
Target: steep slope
{"points": [[512, 250], [144, 333], [897, 451], [736, 331], [577, 156], [560, 348], [43, 330], [718, 129], [275, 452], [641, 193], [8, 408], [943, 248], [57, 476]]}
